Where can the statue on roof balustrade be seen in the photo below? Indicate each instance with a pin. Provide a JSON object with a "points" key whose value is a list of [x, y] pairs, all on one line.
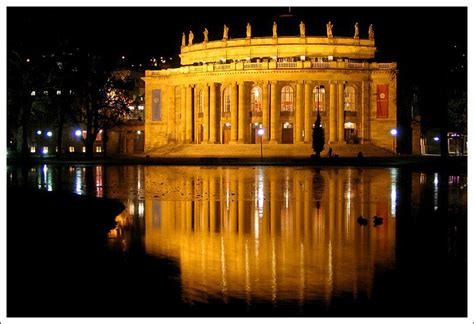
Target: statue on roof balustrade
{"points": [[249, 30], [226, 33], [190, 38], [371, 32], [356, 30], [329, 26], [206, 33], [302, 30], [275, 29], [183, 40]]}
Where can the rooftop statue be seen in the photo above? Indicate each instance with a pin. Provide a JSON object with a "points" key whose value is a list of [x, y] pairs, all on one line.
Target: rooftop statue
{"points": [[275, 29], [206, 33], [371, 32], [329, 29], [302, 30], [249, 30], [226, 33], [190, 38], [183, 40], [356, 30]]}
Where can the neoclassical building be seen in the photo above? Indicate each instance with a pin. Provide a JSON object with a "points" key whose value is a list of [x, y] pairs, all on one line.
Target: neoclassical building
{"points": [[225, 90]]}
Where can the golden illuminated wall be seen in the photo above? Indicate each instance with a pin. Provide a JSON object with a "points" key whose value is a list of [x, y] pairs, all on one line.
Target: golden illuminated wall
{"points": [[288, 61], [271, 234]]}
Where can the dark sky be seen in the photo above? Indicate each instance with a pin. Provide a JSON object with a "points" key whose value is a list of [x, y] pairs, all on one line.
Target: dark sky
{"points": [[422, 40]]}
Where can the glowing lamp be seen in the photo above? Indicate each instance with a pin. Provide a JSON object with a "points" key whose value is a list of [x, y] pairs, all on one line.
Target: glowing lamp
{"points": [[436, 138], [49, 133], [394, 132], [78, 133], [38, 132], [260, 132]]}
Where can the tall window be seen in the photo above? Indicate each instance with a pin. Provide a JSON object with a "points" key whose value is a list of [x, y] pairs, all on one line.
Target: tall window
{"points": [[256, 99], [349, 99], [319, 98], [200, 101], [226, 100], [177, 99], [287, 99]]}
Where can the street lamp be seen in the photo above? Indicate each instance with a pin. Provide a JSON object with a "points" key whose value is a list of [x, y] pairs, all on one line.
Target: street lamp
{"points": [[260, 133], [394, 133]]}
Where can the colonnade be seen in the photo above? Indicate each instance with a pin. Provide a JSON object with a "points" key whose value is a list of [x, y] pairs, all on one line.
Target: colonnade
{"points": [[212, 118]]}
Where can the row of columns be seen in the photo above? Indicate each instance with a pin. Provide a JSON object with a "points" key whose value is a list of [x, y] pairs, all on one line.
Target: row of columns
{"points": [[303, 118]]}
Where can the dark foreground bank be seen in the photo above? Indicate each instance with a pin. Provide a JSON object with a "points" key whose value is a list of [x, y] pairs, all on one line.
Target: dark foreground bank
{"points": [[58, 261]]}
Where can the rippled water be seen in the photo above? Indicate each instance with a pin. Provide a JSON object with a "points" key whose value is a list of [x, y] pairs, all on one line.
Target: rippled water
{"points": [[289, 237]]}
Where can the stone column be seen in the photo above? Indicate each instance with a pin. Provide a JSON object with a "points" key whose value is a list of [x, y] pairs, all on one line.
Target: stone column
{"points": [[274, 114], [212, 114], [332, 112], [308, 117], [233, 113], [205, 115], [265, 117], [189, 114], [340, 112], [242, 113], [299, 112], [182, 121]]}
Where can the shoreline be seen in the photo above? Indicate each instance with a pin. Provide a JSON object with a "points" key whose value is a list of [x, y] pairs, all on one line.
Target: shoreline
{"points": [[429, 162]]}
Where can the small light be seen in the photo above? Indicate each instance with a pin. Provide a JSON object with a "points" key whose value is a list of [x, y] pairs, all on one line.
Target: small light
{"points": [[78, 133], [33, 93], [227, 124], [302, 57], [131, 107], [49, 133], [260, 131], [330, 58], [123, 57], [394, 132], [58, 92], [45, 150], [140, 107], [38, 132], [139, 132], [100, 131], [436, 138], [28, 60]]}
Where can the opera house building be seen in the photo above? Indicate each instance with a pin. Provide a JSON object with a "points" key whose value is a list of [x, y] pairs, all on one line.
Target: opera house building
{"points": [[226, 90]]}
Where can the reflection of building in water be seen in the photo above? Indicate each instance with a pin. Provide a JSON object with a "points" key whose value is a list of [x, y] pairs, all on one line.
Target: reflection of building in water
{"points": [[270, 233]]}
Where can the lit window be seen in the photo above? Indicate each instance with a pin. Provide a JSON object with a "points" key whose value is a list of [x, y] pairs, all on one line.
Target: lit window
{"points": [[98, 149], [349, 99], [33, 93], [58, 92], [141, 107], [256, 99], [226, 99], [201, 101], [45, 92], [33, 149], [287, 98], [319, 98], [83, 149], [71, 149]]}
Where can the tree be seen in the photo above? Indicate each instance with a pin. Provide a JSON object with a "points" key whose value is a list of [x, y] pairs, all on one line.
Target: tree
{"points": [[101, 100], [318, 137]]}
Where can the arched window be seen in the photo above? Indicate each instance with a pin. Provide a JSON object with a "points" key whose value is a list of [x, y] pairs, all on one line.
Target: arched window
{"points": [[349, 99], [287, 99], [256, 100], [200, 101], [319, 98], [226, 100]]}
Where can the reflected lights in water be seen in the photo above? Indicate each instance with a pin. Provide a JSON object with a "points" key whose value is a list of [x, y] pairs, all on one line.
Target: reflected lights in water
{"points": [[301, 253]]}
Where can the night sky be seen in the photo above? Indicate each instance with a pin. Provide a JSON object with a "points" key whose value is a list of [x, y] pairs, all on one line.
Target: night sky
{"points": [[422, 40]]}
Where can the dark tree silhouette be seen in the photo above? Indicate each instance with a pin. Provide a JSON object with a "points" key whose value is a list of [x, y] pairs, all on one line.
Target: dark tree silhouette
{"points": [[318, 137]]}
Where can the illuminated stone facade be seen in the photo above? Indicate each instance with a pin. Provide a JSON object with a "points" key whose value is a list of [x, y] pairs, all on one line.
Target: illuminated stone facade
{"points": [[226, 89]]}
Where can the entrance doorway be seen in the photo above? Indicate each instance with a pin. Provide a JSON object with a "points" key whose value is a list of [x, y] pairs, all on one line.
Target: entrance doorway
{"points": [[287, 133], [254, 133], [226, 133], [350, 134]]}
